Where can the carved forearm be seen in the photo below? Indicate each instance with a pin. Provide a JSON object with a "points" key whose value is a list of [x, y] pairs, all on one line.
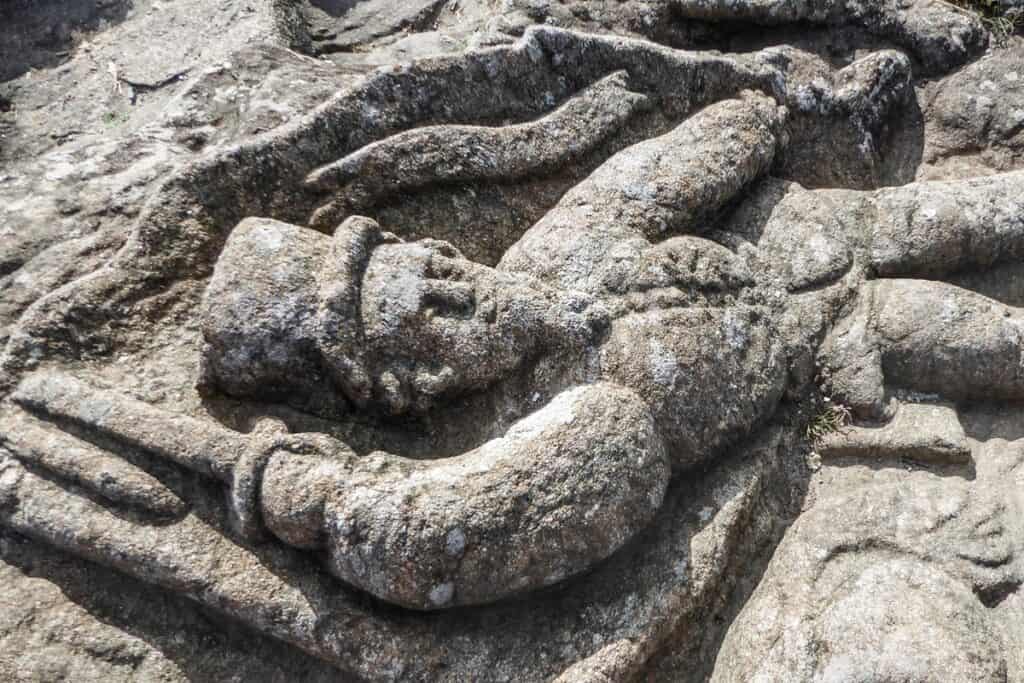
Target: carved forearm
{"points": [[559, 492], [655, 189], [935, 228], [562, 490]]}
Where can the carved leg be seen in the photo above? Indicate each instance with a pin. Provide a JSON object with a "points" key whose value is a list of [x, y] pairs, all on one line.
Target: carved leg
{"points": [[936, 337], [932, 229], [928, 337], [925, 335]]}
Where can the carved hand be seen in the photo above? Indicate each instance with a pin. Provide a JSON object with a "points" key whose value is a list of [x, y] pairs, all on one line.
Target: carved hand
{"points": [[560, 491]]}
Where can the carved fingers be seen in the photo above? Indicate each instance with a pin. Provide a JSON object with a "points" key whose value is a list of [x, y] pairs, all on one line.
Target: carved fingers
{"points": [[448, 290], [45, 447], [98, 441], [197, 445]]}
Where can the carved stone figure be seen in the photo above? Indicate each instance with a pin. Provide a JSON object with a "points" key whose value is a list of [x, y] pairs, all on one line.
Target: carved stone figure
{"points": [[467, 412]]}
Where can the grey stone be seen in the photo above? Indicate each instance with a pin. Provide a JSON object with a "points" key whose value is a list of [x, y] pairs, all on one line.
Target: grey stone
{"points": [[930, 433], [532, 340]]}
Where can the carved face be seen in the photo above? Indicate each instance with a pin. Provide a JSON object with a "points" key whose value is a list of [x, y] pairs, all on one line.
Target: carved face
{"points": [[435, 323], [397, 325]]}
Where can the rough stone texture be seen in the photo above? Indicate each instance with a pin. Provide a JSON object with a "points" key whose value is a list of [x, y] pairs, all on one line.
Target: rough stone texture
{"points": [[978, 117], [920, 432], [510, 340], [909, 566]]}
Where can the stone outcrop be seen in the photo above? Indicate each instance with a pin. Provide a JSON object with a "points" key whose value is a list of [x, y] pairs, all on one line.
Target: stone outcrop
{"points": [[577, 341]]}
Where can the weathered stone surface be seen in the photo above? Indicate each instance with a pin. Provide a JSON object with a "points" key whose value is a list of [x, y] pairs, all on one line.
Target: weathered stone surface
{"points": [[887, 580], [977, 116], [939, 37], [532, 340], [919, 432]]}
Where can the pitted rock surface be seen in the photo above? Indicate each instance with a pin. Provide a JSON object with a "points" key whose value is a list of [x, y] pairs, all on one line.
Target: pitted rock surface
{"points": [[523, 340]]}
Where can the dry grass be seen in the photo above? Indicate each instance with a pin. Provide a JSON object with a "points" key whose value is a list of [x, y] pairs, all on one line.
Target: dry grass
{"points": [[1000, 24], [832, 418]]}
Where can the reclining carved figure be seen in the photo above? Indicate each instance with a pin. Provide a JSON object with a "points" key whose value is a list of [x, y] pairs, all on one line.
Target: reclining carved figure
{"points": [[667, 346], [399, 327]]}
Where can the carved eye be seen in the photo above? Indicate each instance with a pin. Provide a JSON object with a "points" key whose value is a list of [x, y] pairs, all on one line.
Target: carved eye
{"points": [[449, 300]]}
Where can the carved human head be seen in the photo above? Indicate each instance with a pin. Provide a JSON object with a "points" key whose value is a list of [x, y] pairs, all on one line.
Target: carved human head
{"points": [[388, 324]]}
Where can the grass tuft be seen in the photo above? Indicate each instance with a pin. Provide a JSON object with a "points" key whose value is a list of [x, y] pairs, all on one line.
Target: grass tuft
{"points": [[999, 21], [832, 418]]}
